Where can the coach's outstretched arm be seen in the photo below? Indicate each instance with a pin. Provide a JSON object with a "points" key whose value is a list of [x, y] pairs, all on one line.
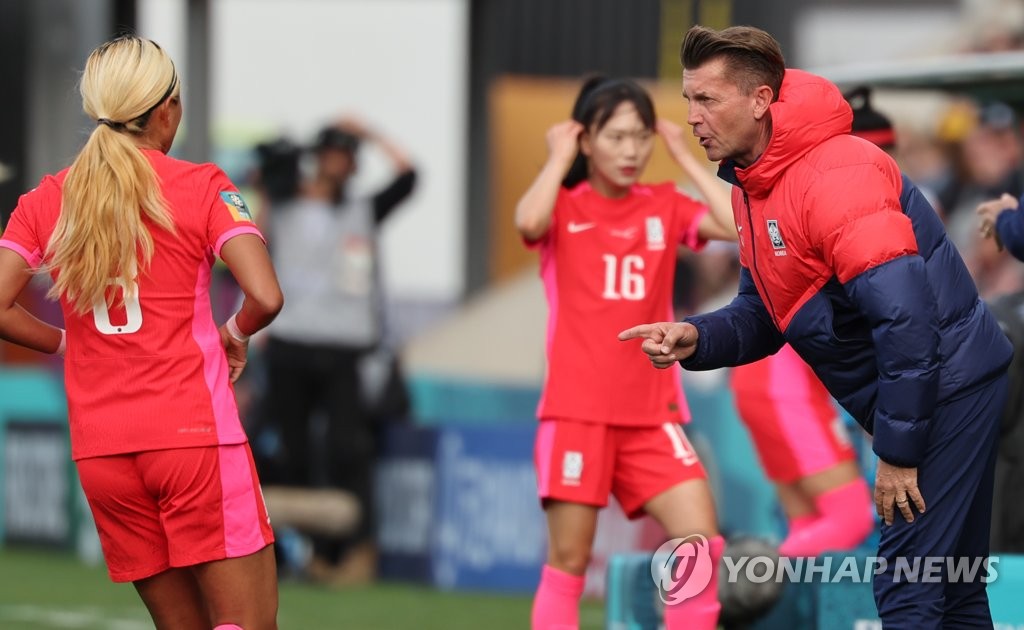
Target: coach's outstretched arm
{"points": [[739, 333]]}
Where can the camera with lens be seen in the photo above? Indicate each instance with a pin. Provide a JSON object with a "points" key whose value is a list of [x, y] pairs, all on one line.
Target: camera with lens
{"points": [[278, 163]]}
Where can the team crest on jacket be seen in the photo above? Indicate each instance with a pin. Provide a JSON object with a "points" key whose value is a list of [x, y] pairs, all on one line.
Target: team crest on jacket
{"points": [[655, 233], [776, 237]]}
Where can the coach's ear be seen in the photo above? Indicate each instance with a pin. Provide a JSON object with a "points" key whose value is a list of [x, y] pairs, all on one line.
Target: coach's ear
{"points": [[762, 100]]}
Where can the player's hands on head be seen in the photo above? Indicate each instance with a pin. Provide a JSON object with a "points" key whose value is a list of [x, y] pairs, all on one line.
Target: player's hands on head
{"points": [[237, 353], [664, 343], [354, 125], [563, 141]]}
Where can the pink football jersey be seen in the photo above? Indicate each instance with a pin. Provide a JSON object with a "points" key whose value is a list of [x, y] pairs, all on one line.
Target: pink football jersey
{"points": [[607, 265], [151, 373]]}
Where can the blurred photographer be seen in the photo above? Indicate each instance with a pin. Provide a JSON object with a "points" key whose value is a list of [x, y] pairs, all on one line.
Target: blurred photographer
{"points": [[323, 242]]}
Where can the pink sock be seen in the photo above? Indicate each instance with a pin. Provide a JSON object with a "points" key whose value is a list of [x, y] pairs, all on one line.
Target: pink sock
{"points": [[701, 611], [845, 520], [556, 606], [228, 626], [798, 523]]}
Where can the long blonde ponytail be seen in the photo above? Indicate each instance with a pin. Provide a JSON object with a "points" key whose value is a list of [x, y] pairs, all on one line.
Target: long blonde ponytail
{"points": [[100, 236]]}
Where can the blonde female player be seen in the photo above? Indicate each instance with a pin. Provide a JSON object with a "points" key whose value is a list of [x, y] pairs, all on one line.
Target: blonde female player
{"points": [[129, 236], [607, 424]]}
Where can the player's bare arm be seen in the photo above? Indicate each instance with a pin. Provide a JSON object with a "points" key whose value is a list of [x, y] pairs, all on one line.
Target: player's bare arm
{"points": [[249, 262], [533, 212], [16, 324], [718, 224]]}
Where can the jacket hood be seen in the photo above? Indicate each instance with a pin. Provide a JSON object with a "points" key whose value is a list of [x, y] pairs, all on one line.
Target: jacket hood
{"points": [[809, 111]]}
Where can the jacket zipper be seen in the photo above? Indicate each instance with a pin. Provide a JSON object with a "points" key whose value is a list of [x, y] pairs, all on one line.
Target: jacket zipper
{"points": [[753, 257]]}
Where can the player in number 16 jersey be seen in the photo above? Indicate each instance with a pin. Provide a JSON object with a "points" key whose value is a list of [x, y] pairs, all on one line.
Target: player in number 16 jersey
{"points": [[608, 425], [603, 261]]}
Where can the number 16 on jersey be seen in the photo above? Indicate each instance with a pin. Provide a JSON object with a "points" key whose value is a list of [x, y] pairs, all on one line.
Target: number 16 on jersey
{"points": [[622, 278]]}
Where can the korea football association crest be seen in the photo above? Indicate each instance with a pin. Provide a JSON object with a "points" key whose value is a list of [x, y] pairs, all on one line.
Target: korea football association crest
{"points": [[572, 468], [775, 235], [655, 233]]}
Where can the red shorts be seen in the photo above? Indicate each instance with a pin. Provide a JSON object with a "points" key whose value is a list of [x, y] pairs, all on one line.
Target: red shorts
{"points": [[795, 438], [793, 423], [175, 508], [583, 462]]}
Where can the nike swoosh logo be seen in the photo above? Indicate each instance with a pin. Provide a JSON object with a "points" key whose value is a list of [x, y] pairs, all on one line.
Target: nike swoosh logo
{"points": [[579, 227]]}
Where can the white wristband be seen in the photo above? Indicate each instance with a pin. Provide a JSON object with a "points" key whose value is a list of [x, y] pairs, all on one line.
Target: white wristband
{"points": [[233, 330], [63, 342]]}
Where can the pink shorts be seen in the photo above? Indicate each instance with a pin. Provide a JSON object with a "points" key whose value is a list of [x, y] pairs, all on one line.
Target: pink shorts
{"points": [[583, 462], [175, 508], [796, 429]]}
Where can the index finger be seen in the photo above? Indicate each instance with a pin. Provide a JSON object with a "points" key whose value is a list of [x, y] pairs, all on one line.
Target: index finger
{"points": [[643, 330]]}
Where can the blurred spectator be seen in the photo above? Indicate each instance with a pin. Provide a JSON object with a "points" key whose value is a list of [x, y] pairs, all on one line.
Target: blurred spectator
{"points": [[1002, 220], [994, 25], [1000, 227], [928, 160], [868, 122], [324, 244], [989, 165], [1007, 510], [1001, 224]]}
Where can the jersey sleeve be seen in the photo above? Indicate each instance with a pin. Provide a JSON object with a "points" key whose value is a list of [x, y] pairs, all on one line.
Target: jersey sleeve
{"points": [[689, 212], [21, 233], [227, 213]]}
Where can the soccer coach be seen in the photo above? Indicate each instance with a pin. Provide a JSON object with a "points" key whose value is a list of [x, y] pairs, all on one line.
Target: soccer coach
{"points": [[844, 259]]}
